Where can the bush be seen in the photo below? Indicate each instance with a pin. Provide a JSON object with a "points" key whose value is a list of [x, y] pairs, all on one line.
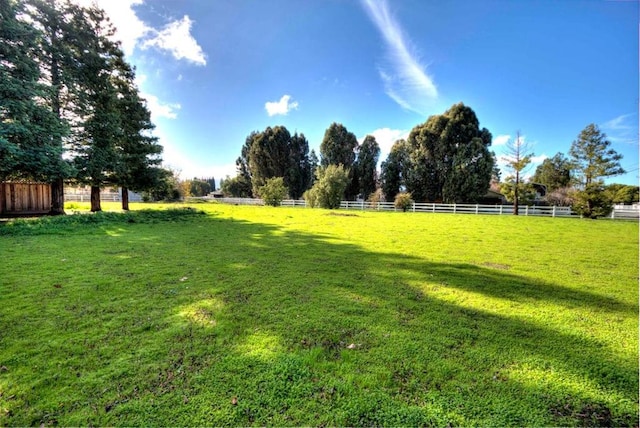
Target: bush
{"points": [[376, 197], [592, 202], [403, 201], [274, 191], [329, 187]]}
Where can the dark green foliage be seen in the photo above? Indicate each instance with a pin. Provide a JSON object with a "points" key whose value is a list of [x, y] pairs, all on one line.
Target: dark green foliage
{"points": [[394, 169], [403, 201], [199, 187], [554, 173], [526, 191], [299, 170], [276, 153], [237, 187], [449, 158], [313, 166], [622, 193], [274, 191], [592, 157], [339, 147], [29, 131], [366, 166], [329, 187], [166, 186], [592, 202]]}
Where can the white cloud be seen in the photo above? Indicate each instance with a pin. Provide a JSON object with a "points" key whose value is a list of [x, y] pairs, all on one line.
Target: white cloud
{"points": [[408, 84], [280, 107], [500, 140], [129, 28], [156, 107], [622, 129], [385, 137], [159, 109], [176, 38]]}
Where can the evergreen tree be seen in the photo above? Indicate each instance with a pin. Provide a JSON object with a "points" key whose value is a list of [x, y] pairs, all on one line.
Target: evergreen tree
{"points": [[339, 147], [554, 173], [449, 158], [394, 169], [29, 131], [366, 166], [593, 158]]}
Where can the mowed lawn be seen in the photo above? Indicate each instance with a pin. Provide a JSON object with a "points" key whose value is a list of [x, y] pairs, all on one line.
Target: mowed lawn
{"points": [[233, 315]]}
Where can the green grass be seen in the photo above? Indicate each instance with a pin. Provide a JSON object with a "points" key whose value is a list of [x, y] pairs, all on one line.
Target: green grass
{"points": [[232, 315]]}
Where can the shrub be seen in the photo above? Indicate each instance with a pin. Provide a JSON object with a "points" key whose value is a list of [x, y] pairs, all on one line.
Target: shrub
{"points": [[403, 201], [592, 202], [376, 197], [329, 187], [274, 191]]}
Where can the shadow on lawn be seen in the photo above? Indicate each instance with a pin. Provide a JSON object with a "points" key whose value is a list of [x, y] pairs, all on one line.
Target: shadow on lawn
{"points": [[308, 331], [310, 294]]}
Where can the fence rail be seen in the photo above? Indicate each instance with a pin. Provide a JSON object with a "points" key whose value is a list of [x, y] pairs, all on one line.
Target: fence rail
{"points": [[104, 197], [424, 207]]}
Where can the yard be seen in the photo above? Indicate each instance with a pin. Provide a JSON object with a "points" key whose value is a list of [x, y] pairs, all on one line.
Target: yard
{"points": [[233, 315]]}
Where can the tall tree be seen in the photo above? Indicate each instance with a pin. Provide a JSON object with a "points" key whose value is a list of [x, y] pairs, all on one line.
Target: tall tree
{"points": [[394, 169], [339, 147], [28, 129], [96, 151], [269, 156], [366, 166], [449, 157], [592, 156], [313, 166], [61, 45], [137, 150], [299, 169], [554, 173], [518, 156]]}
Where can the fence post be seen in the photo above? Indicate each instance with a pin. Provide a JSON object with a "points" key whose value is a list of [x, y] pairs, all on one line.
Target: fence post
{"points": [[526, 210], [433, 207], [553, 212], [454, 207], [414, 207], [477, 206], [613, 213], [362, 205], [500, 209]]}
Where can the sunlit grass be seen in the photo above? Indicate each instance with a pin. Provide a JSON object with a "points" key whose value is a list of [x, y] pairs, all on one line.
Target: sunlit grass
{"points": [[258, 315]]}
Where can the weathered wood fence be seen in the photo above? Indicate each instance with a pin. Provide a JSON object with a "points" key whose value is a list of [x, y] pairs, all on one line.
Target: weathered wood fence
{"points": [[24, 198]]}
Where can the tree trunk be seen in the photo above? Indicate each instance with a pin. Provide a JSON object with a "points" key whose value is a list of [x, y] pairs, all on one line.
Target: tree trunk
{"points": [[125, 198], [95, 199], [515, 194], [57, 197]]}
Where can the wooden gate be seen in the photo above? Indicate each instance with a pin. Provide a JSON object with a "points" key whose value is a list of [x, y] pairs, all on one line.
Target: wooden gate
{"points": [[22, 198]]}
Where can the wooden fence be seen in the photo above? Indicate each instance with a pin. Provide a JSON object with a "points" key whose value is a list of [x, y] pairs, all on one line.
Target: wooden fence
{"points": [[24, 198]]}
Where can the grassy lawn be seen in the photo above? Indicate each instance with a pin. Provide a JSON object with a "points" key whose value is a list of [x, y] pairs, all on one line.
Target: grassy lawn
{"points": [[233, 315]]}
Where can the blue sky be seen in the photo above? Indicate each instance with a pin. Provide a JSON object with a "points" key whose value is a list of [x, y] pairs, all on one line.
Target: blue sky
{"points": [[215, 70]]}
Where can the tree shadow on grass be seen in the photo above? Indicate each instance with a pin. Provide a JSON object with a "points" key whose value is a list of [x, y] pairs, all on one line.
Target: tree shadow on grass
{"points": [[254, 324]]}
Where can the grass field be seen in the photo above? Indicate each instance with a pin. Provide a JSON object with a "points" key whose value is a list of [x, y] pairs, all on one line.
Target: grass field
{"points": [[232, 315]]}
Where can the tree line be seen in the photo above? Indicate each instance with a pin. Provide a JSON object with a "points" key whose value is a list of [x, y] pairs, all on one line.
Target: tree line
{"points": [[70, 109], [445, 159]]}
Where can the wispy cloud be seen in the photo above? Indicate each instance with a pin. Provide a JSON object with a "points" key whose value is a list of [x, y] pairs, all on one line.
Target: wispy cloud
{"points": [[405, 78], [282, 107], [622, 129], [176, 38]]}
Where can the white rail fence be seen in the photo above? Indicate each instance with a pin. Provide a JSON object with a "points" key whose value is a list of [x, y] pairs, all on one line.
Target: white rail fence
{"points": [[619, 212], [423, 207]]}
